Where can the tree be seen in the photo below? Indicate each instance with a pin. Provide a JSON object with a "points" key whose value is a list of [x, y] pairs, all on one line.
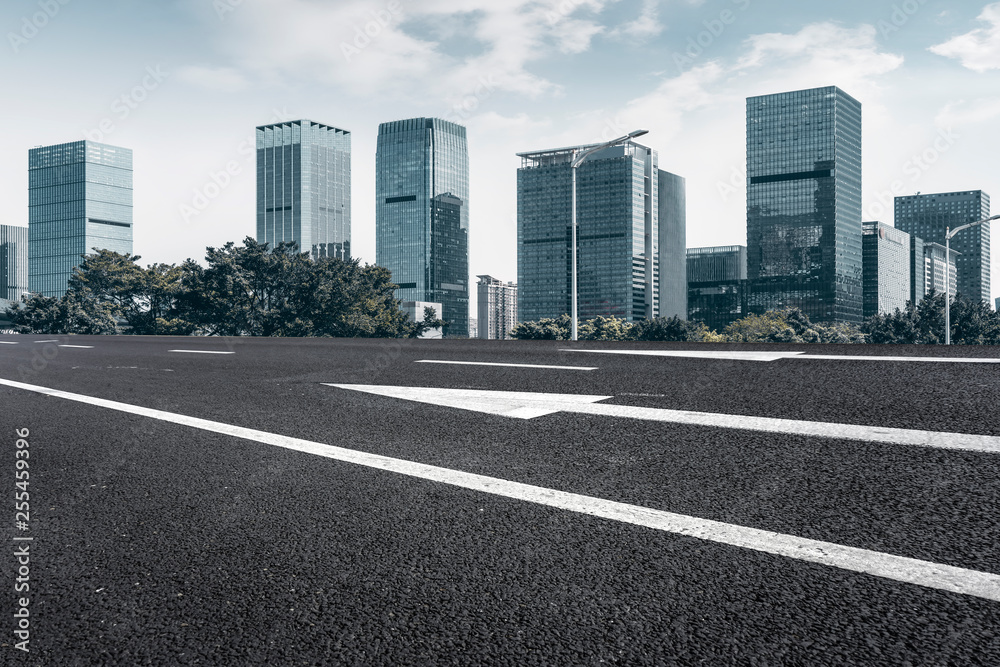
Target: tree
{"points": [[670, 329], [543, 329], [70, 314], [430, 321]]}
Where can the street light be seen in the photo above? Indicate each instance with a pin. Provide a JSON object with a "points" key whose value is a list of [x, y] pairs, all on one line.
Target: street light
{"points": [[577, 161], [948, 234]]}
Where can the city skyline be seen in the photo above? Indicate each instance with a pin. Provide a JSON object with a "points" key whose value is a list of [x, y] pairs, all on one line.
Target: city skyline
{"points": [[513, 75]]}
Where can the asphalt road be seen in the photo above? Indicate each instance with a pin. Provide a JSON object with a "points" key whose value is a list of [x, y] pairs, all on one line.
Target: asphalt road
{"points": [[159, 543]]}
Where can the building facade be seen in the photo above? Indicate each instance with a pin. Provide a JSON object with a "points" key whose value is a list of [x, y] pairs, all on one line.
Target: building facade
{"points": [[886, 261], [918, 270], [804, 203], [79, 201], [934, 269], [422, 214], [496, 309], [13, 264], [627, 209], [304, 187], [716, 285], [929, 216]]}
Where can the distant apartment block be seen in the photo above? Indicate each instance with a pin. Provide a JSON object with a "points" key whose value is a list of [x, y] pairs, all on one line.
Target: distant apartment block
{"points": [[716, 278], [886, 262], [929, 216], [918, 271], [935, 267], [630, 235], [497, 308], [804, 203], [473, 327], [422, 214], [304, 187], [79, 201], [13, 264]]}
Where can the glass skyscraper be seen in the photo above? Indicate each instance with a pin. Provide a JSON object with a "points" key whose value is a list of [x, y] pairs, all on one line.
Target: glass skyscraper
{"points": [[928, 216], [422, 214], [630, 235], [79, 200], [304, 187], [804, 203], [13, 263]]}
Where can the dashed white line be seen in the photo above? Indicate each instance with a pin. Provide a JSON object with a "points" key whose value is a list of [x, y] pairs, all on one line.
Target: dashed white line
{"points": [[202, 351], [85, 347], [8, 342], [54, 340], [898, 568], [490, 363]]}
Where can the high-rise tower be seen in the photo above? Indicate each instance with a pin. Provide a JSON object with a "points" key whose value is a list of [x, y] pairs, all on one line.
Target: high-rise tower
{"points": [[804, 203], [422, 214], [304, 187], [79, 200]]}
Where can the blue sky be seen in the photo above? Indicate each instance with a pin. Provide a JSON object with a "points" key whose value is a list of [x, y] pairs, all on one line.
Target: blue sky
{"points": [[184, 82]]}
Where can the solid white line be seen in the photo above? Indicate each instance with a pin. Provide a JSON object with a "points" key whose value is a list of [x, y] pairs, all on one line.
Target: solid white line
{"points": [[488, 363], [898, 568], [86, 347], [529, 405], [202, 351], [777, 356]]}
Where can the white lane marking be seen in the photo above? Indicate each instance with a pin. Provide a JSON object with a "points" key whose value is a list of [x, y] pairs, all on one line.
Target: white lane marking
{"points": [[489, 363], [528, 405], [777, 356], [54, 340], [85, 347], [7, 342], [888, 566], [202, 351]]}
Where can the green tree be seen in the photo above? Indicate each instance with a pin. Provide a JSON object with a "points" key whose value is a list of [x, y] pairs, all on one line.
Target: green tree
{"points": [[430, 321], [670, 329]]}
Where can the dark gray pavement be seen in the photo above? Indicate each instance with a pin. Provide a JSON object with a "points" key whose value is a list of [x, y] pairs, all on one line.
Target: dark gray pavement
{"points": [[158, 544]]}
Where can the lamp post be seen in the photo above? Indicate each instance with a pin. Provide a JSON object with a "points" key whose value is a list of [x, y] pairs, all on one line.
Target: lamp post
{"points": [[948, 234], [576, 162]]}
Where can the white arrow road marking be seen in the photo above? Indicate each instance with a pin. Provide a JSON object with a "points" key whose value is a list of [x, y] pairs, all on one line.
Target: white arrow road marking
{"points": [[490, 363], [528, 405], [898, 568], [776, 356]]}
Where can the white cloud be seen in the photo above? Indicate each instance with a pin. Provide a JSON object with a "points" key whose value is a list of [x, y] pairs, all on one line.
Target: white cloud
{"points": [[960, 113], [643, 28], [224, 79], [979, 49]]}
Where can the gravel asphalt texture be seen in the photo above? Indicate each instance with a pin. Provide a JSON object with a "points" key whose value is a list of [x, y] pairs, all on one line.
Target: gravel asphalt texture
{"points": [[160, 544]]}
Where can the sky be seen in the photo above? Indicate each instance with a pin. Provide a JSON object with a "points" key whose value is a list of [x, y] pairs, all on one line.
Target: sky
{"points": [[183, 83]]}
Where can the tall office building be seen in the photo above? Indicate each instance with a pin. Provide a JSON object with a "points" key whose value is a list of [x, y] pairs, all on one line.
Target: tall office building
{"points": [[13, 264], [928, 216], [886, 260], [716, 285], [79, 200], [630, 235], [497, 308], [422, 214], [304, 187], [804, 203]]}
